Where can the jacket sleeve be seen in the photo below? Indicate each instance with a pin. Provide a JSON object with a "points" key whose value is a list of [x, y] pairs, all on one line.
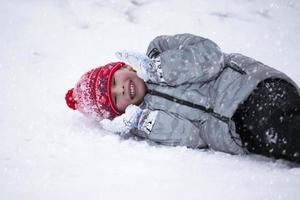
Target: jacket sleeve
{"points": [[168, 129], [184, 58]]}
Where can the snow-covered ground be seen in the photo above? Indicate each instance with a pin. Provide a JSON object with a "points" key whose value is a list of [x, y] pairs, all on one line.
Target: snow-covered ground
{"points": [[47, 151]]}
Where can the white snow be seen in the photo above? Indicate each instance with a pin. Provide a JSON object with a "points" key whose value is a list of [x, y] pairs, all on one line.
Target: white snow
{"points": [[47, 151]]}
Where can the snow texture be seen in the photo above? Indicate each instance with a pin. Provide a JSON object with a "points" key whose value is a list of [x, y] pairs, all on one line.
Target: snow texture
{"points": [[48, 151]]}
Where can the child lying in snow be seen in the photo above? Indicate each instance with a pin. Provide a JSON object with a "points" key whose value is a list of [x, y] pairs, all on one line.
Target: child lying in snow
{"points": [[186, 92]]}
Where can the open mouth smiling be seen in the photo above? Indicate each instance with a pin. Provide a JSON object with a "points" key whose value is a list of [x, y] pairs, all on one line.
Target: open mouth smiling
{"points": [[131, 89]]}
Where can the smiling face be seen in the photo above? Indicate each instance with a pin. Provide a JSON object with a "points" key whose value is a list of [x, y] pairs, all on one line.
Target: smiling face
{"points": [[127, 88]]}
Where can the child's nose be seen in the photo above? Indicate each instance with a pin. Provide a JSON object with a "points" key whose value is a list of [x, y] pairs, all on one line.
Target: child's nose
{"points": [[119, 90]]}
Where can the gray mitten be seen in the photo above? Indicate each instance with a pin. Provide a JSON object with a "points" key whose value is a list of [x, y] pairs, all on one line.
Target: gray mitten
{"points": [[139, 62]]}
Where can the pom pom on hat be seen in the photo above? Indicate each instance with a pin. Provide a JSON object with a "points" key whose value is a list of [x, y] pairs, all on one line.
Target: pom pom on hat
{"points": [[70, 99], [92, 93]]}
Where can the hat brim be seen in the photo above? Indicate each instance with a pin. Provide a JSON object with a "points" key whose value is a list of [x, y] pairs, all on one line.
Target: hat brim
{"points": [[116, 67]]}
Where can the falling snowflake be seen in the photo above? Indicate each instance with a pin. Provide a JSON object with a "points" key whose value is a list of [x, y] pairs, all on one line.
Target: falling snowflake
{"points": [[271, 136]]}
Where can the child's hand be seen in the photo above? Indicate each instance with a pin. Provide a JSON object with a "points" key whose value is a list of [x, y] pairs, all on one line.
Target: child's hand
{"points": [[139, 62], [125, 122]]}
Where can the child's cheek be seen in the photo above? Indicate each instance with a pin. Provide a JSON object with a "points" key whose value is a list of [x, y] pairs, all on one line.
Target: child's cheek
{"points": [[124, 103]]}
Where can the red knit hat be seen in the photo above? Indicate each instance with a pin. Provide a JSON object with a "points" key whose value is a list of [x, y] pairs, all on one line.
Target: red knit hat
{"points": [[92, 94]]}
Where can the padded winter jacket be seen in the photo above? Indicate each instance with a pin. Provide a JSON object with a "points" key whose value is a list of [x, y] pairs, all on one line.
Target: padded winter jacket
{"points": [[195, 91]]}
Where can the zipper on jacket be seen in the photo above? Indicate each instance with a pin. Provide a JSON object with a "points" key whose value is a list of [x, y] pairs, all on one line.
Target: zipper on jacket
{"points": [[153, 53], [235, 67], [192, 105]]}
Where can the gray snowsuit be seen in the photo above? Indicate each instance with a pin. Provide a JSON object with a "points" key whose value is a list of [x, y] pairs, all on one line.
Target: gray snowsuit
{"points": [[195, 91]]}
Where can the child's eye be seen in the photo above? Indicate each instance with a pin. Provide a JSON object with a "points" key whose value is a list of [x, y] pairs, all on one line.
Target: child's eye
{"points": [[115, 98], [114, 81]]}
